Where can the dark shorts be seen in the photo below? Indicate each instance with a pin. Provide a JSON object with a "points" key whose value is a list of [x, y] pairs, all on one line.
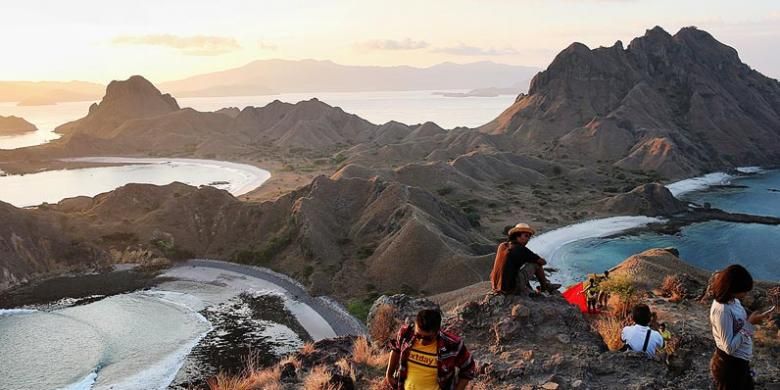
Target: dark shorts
{"points": [[729, 372]]}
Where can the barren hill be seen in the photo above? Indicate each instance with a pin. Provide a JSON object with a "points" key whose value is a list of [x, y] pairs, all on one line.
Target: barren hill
{"points": [[134, 98], [15, 125], [324, 234], [679, 105]]}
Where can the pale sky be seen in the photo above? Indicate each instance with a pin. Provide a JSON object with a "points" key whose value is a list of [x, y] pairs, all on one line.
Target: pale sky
{"points": [[101, 40]]}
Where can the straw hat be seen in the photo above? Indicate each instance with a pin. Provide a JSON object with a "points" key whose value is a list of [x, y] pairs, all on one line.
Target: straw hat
{"points": [[521, 228]]}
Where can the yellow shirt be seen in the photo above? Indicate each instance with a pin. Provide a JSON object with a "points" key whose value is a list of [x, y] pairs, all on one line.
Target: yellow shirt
{"points": [[422, 369]]}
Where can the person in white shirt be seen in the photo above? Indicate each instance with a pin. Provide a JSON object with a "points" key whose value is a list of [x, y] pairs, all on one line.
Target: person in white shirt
{"points": [[732, 329], [639, 337]]}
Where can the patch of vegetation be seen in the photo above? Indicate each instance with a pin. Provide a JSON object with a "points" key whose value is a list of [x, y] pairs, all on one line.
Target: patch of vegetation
{"points": [[264, 254], [444, 191], [473, 218], [120, 237], [366, 251], [171, 250], [359, 308], [339, 158]]}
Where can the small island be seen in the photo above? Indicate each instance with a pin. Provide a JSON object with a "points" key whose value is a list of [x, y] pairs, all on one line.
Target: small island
{"points": [[13, 125], [481, 92]]}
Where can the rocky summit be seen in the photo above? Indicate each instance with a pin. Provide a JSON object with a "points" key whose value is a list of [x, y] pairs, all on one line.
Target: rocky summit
{"points": [[677, 104]]}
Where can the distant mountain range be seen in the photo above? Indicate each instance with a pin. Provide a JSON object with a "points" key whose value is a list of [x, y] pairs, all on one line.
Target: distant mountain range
{"points": [[268, 77], [282, 76], [34, 93]]}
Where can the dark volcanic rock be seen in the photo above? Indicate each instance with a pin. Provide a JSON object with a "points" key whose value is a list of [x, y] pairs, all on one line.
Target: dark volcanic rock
{"points": [[678, 105]]}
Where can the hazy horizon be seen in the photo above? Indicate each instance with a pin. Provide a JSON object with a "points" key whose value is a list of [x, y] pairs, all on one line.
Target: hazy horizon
{"points": [[87, 40]]}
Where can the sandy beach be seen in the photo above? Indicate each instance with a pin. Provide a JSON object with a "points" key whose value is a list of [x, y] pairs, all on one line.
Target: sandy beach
{"points": [[320, 316]]}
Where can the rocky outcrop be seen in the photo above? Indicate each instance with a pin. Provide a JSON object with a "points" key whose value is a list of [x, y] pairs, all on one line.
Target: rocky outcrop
{"points": [[678, 105], [134, 98], [12, 125], [403, 308], [308, 124], [648, 199]]}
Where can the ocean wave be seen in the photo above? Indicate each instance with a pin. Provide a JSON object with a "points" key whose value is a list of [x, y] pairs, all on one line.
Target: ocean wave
{"points": [[10, 312], [750, 170], [162, 374], [84, 384], [699, 183], [705, 181]]}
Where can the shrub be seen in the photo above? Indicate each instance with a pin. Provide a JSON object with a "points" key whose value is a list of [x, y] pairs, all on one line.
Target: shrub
{"points": [[445, 191], [622, 288], [359, 308], [268, 251], [366, 251], [674, 287], [363, 353], [473, 219], [619, 285], [383, 325]]}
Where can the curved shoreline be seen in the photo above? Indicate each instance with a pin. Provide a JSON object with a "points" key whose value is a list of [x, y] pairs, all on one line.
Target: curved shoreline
{"points": [[256, 176], [341, 322], [550, 243]]}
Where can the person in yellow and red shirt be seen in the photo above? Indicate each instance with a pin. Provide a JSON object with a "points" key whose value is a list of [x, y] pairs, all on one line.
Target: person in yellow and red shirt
{"points": [[425, 357]]}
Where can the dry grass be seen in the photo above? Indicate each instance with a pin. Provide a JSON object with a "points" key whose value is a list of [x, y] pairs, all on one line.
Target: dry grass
{"points": [[290, 359], [383, 325], [620, 307], [252, 379], [266, 379], [674, 286], [318, 379], [480, 384], [307, 349], [610, 329], [363, 353], [376, 384]]}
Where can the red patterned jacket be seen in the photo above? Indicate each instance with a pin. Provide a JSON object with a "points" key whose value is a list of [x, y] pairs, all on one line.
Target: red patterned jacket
{"points": [[453, 359]]}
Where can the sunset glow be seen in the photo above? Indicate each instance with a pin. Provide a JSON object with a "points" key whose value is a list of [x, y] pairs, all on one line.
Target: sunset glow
{"points": [[99, 41]]}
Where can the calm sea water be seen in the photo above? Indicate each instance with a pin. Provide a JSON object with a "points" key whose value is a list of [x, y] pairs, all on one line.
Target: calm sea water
{"points": [[141, 340], [129, 341], [409, 107], [53, 186], [710, 245]]}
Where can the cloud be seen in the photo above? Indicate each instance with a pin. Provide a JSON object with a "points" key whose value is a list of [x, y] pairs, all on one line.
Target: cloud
{"points": [[198, 45], [465, 50], [390, 44]]}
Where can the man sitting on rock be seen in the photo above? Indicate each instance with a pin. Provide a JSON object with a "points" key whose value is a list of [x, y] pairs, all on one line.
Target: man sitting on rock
{"points": [[428, 358], [515, 261], [639, 337]]}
